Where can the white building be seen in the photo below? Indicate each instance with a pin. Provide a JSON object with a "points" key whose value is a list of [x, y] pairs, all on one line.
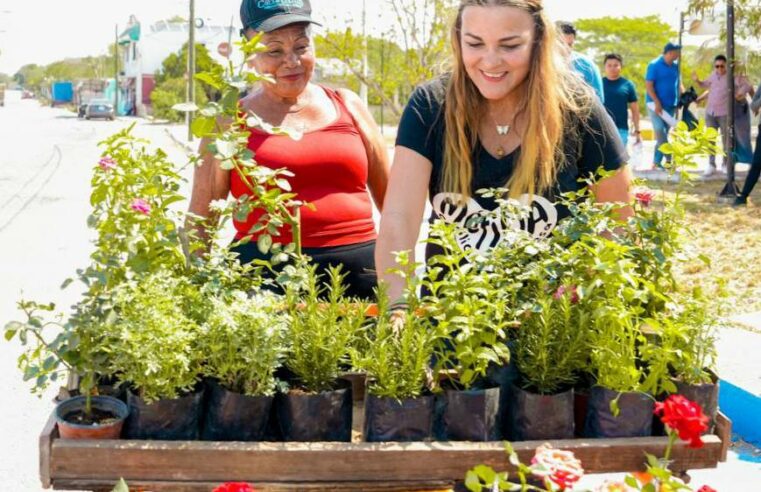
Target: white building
{"points": [[146, 49]]}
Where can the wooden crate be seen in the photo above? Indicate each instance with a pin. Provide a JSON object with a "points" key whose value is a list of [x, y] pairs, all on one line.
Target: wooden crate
{"points": [[357, 466]]}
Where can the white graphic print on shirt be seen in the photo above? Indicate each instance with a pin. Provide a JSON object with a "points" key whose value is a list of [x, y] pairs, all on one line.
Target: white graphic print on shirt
{"points": [[484, 234]]}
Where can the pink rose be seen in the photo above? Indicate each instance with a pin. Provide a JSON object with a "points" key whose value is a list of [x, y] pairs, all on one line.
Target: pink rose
{"points": [[560, 467], [106, 163], [141, 206], [571, 291], [644, 196]]}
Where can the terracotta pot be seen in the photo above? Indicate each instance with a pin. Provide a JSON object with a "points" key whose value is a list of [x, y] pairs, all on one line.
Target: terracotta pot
{"points": [[109, 430]]}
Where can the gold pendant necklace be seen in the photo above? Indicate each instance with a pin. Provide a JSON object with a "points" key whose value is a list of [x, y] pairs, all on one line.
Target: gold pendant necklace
{"points": [[502, 130]]}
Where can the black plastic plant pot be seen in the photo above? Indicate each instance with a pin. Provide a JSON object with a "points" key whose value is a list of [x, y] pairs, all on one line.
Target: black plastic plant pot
{"points": [[505, 377], [536, 417], [105, 420], [469, 415], [389, 419], [635, 417], [232, 416], [706, 395], [311, 417], [177, 419]]}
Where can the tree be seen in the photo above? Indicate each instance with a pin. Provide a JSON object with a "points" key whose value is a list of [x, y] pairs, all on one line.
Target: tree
{"points": [[747, 15], [421, 35], [175, 66], [638, 40], [171, 82]]}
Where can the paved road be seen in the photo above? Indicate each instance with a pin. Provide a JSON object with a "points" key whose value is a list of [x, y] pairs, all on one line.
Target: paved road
{"points": [[46, 160]]}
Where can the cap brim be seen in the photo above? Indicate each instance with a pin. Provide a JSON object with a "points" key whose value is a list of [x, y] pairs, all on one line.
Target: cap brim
{"points": [[278, 21]]}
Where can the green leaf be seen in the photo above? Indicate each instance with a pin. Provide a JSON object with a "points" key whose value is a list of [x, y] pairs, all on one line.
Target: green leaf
{"points": [[614, 409], [264, 243], [631, 481], [185, 107], [202, 126], [472, 482], [209, 80], [121, 486]]}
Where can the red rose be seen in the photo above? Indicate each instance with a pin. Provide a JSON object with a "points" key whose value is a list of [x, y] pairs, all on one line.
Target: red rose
{"points": [[644, 196], [234, 487], [684, 417], [706, 488], [558, 466]]}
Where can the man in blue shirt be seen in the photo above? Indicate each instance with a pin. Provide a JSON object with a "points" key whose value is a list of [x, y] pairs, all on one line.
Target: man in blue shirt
{"points": [[663, 89], [620, 95], [582, 64]]}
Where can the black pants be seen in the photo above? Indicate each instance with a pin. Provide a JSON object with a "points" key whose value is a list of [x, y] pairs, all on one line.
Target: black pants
{"points": [[755, 168], [358, 262]]}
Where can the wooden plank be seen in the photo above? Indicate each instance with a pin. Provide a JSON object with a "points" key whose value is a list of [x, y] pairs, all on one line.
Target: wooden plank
{"points": [[343, 462], [153, 486], [48, 434], [724, 431]]}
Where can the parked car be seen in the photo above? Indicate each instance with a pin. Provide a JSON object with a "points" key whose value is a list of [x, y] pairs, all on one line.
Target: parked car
{"points": [[25, 94], [100, 108]]}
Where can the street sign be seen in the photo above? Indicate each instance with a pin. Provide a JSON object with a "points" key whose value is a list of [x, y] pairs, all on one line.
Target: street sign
{"points": [[224, 49]]}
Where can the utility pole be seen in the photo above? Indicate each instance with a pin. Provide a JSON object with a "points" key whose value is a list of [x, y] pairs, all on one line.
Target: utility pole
{"points": [[116, 69], [363, 84], [191, 93], [681, 62], [730, 191]]}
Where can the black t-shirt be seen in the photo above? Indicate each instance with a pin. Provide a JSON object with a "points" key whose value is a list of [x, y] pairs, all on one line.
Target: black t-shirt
{"points": [[421, 129]]}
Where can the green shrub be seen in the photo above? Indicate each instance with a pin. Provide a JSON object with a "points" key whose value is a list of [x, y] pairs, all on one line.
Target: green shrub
{"points": [[169, 93]]}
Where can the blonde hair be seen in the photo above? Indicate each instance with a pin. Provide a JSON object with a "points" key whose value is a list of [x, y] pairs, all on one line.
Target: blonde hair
{"points": [[554, 104]]}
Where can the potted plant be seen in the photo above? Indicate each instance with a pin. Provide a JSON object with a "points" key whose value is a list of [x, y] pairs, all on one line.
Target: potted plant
{"points": [[550, 347], [243, 344], [466, 305], [398, 405], [152, 347], [322, 325], [47, 358], [684, 341]]}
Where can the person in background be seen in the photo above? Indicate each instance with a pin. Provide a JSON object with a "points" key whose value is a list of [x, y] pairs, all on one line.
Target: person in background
{"points": [[755, 166], [511, 114], [743, 89], [581, 63], [716, 106], [620, 97], [340, 164], [663, 89]]}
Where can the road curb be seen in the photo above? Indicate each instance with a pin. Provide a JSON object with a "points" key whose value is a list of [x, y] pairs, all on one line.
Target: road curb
{"points": [[743, 409]]}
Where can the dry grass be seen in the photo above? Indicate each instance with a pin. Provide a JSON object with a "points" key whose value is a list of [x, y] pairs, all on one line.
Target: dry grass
{"points": [[731, 238]]}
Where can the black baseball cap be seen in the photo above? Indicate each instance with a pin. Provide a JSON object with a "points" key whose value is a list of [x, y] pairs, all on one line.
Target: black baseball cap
{"points": [[268, 15], [671, 47]]}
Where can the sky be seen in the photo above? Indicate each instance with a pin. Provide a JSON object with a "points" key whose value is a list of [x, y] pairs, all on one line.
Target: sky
{"points": [[44, 31]]}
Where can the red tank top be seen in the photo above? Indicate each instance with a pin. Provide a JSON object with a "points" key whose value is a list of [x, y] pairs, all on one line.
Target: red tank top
{"points": [[330, 172]]}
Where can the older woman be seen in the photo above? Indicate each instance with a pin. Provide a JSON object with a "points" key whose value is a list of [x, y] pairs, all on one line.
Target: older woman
{"points": [[340, 156], [509, 115]]}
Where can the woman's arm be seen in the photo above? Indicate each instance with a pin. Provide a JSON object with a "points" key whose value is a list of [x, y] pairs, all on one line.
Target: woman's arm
{"points": [[375, 145], [402, 215], [616, 188], [210, 182]]}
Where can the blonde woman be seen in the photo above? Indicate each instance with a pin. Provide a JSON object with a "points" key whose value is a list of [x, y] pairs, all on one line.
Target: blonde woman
{"points": [[510, 114]]}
